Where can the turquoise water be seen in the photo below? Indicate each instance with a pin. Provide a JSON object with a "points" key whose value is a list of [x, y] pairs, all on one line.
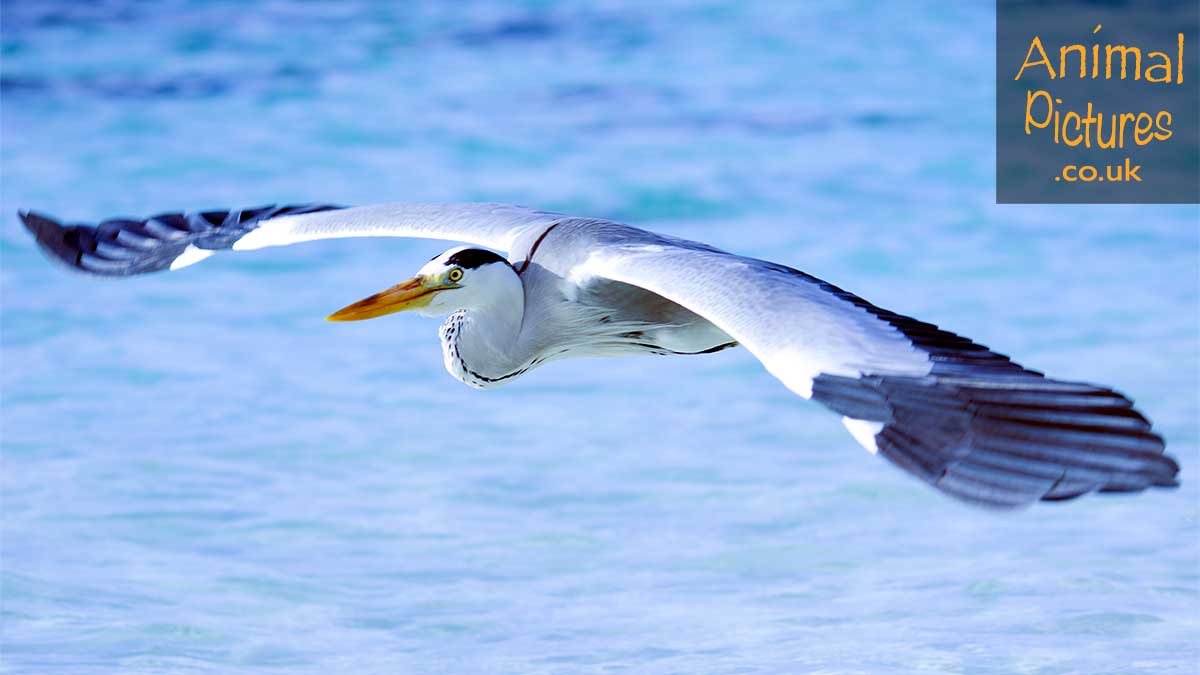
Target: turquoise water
{"points": [[201, 475]]}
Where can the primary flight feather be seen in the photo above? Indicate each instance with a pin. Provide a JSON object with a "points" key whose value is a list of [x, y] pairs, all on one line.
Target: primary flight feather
{"points": [[966, 420]]}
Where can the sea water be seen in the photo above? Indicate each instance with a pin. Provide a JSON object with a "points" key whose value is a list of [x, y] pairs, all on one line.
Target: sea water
{"points": [[201, 475]]}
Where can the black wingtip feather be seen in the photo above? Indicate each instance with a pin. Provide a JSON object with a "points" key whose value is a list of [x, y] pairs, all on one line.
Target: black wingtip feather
{"points": [[1006, 442], [128, 246], [980, 426], [60, 242]]}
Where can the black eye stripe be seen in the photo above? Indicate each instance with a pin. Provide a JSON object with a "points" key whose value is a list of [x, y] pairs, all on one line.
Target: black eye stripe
{"points": [[471, 258]]}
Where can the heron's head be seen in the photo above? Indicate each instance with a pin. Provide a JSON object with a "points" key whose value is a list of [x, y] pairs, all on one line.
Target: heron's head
{"points": [[461, 278]]}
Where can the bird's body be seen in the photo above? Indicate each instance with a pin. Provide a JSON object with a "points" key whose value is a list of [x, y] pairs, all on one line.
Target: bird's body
{"points": [[591, 318], [965, 419]]}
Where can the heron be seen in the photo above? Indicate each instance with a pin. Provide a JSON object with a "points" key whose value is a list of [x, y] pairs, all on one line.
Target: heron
{"points": [[966, 420]]}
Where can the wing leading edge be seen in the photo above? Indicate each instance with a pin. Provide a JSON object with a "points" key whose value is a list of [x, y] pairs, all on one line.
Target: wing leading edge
{"points": [[129, 246]]}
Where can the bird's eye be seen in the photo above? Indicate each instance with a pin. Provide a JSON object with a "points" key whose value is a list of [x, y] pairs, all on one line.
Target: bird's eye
{"points": [[454, 275]]}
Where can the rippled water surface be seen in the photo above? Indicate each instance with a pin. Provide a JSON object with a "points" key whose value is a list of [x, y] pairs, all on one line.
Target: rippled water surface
{"points": [[201, 475]]}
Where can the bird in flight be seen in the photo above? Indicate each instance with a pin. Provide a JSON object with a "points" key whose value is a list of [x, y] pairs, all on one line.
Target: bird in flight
{"points": [[964, 419]]}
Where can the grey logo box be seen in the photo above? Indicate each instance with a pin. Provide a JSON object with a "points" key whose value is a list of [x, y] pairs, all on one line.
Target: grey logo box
{"points": [[1070, 129]]}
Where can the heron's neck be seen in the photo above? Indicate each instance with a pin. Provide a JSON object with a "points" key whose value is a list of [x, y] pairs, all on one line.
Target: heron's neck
{"points": [[483, 347]]}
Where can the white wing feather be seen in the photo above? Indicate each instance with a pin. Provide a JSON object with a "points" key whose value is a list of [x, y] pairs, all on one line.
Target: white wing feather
{"points": [[495, 226], [794, 326]]}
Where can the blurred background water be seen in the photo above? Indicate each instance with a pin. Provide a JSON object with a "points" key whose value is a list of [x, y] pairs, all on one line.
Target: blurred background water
{"points": [[201, 475]]}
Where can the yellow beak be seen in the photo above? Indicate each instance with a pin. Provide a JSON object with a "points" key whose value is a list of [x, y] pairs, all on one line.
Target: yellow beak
{"points": [[411, 294]]}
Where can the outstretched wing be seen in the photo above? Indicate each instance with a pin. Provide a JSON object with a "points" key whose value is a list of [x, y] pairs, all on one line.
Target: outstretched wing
{"points": [[965, 419], [123, 246]]}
